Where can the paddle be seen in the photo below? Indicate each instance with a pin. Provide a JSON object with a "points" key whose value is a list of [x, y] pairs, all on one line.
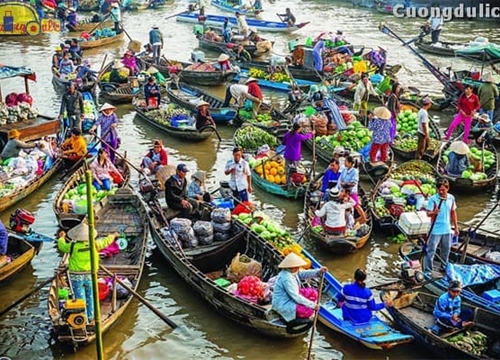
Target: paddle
{"points": [[213, 127], [98, 25], [320, 288], [141, 299], [181, 13]]}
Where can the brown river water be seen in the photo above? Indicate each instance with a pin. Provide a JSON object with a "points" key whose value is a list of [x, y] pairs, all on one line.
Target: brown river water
{"points": [[204, 334]]}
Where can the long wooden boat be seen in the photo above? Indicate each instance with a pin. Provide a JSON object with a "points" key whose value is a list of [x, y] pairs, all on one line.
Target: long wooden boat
{"points": [[144, 5], [445, 49], [202, 265], [189, 96], [123, 212], [84, 45], [189, 133], [298, 72], [86, 25], [227, 6], [342, 244], [113, 92], [461, 183], [222, 46], [21, 252], [276, 85], [62, 84], [261, 25], [65, 213], [382, 200], [479, 244], [375, 334], [408, 153], [88, 5]]}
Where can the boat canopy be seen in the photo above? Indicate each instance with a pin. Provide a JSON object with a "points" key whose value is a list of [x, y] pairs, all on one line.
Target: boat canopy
{"points": [[472, 274], [11, 71]]}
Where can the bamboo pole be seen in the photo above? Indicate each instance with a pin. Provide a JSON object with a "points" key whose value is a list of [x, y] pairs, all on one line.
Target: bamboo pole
{"points": [[94, 267]]}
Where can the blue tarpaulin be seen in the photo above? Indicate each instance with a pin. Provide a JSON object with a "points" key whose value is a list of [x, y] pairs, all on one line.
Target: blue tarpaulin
{"points": [[9, 71], [472, 274]]}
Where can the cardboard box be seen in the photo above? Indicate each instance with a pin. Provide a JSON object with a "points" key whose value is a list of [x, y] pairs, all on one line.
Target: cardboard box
{"points": [[414, 223]]}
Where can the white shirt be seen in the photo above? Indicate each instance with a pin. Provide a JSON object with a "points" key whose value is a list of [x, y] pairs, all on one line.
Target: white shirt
{"points": [[423, 118], [239, 92], [436, 22], [242, 24], [335, 213], [239, 179]]}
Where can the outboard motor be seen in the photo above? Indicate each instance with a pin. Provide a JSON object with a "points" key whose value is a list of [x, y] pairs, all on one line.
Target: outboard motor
{"points": [[21, 220]]}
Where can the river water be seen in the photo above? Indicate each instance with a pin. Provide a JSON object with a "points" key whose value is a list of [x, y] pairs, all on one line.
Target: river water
{"points": [[203, 334]]}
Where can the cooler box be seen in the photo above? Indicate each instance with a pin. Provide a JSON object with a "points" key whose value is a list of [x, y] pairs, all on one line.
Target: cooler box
{"points": [[414, 223], [492, 295], [224, 203], [179, 123]]}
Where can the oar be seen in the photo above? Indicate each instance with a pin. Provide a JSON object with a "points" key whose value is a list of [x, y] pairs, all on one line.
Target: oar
{"points": [[141, 299], [98, 25], [174, 15], [213, 127], [315, 315]]}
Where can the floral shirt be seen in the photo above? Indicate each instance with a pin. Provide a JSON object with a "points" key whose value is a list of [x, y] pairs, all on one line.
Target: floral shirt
{"points": [[381, 131]]}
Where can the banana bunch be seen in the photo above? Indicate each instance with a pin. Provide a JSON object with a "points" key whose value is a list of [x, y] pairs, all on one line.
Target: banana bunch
{"points": [[257, 73]]}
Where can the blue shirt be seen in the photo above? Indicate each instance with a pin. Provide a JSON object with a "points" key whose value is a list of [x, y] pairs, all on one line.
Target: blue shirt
{"points": [[358, 303], [329, 176], [349, 176], [194, 189], [442, 226], [457, 163], [4, 239], [381, 131], [446, 306]]}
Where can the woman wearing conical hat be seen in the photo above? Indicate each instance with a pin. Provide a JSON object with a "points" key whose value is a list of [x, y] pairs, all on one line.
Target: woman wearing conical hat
{"points": [[14, 145], [108, 121], [203, 116], [380, 126]]}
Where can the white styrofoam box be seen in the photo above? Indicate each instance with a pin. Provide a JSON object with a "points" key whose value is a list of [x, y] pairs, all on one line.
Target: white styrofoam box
{"points": [[414, 223]]}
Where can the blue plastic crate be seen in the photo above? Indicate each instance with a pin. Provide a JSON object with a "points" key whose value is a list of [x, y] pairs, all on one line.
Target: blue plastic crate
{"points": [[492, 295], [224, 203]]}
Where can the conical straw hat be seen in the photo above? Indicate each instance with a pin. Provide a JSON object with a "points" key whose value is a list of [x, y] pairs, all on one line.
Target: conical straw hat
{"points": [[459, 147], [382, 113], [80, 232], [292, 260]]}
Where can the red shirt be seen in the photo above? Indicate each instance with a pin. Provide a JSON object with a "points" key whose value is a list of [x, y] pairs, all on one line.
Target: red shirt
{"points": [[254, 90], [468, 104]]}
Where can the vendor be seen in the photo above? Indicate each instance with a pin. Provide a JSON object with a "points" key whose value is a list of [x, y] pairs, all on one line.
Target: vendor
{"points": [[14, 145], [116, 74], [196, 189], [335, 222], [74, 148], [448, 310], [483, 130], [130, 63], [331, 177], [223, 62], [203, 116], [458, 161]]}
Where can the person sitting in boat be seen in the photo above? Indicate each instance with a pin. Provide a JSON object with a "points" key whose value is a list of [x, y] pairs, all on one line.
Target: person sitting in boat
{"points": [[483, 130], [56, 58], [96, 17], [196, 189], [242, 24], [357, 301], [339, 37], [226, 30], [223, 63], [71, 21], [287, 17], [130, 63], [4, 240], [85, 73], [79, 265], [448, 310], [211, 35], [243, 55], [203, 116], [152, 91], [254, 36], [154, 159], [75, 51], [14, 145], [331, 177], [176, 194], [458, 159], [103, 171], [378, 58], [73, 148], [298, 56], [117, 73], [334, 211], [287, 293], [66, 66]]}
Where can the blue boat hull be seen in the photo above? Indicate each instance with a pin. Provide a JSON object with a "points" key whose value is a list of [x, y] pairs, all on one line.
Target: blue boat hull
{"points": [[277, 86], [223, 5]]}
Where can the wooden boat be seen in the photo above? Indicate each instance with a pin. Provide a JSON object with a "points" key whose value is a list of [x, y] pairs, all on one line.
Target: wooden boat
{"points": [[189, 133], [144, 5], [375, 334], [446, 48], [123, 212], [189, 96], [303, 73], [261, 25], [336, 244], [113, 92], [412, 313], [293, 191], [88, 5], [479, 244], [225, 47], [86, 25], [84, 45], [382, 201], [62, 84], [278, 126], [67, 219], [202, 265], [276, 85], [20, 252], [459, 182], [409, 153], [230, 7]]}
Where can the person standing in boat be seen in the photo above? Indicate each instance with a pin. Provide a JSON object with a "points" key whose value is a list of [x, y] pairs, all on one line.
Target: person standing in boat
{"points": [[108, 121], [362, 95], [287, 17], [488, 94], [436, 24], [254, 90], [357, 301], [226, 30], [293, 151], [242, 24], [468, 105], [442, 209], [318, 50], [4, 239], [79, 265], [203, 116], [423, 128], [448, 310], [14, 145], [394, 106], [176, 194], [72, 105], [240, 180], [381, 130], [156, 41], [116, 16]]}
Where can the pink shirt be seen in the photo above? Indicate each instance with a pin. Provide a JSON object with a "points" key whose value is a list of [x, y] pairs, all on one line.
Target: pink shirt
{"points": [[102, 172]]}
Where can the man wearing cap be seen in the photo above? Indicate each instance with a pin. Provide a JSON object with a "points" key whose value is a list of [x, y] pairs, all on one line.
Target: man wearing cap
{"points": [[488, 94], [14, 145], [79, 264], [357, 301], [242, 24], [152, 90], [176, 194], [423, 128], [240, 179], [483, 130], [72, 105], [203, 116], [448, 310], [156, 40]]}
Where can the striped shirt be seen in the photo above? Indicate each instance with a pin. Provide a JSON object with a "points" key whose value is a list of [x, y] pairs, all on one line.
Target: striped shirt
{"points": [[358, 303]]}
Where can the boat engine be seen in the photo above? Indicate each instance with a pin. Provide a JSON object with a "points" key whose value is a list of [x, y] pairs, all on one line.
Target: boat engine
{"points": [[225, 190], [74, 313], [148, 190], [411, 272], [21, 220]]}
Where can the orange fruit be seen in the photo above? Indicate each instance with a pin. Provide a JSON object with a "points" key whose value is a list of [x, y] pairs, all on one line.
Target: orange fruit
{"points": [[273, 171]]}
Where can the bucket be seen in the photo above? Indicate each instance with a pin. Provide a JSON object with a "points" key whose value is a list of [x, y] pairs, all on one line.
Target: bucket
{"points": [[103, 290]]}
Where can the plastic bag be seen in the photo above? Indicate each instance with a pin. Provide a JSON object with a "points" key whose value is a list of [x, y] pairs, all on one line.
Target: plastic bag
{"points": [[242, 266], [221, 236], [206, 240], [222, 228], [203, 228], [180, 225], [304, 312], [221, 215], [188, 238]]}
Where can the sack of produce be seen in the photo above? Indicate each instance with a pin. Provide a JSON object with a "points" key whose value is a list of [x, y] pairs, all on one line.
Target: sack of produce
{"points": [[180, 225], [205, 240], [250, 288], [188, 239], [242, 266], [304, 312], [203, 228], [221, 227], [221, 215], [321, 130], [221, 236]]}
